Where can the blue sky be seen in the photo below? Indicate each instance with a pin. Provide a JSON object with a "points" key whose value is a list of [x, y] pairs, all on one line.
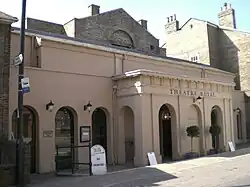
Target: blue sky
{"points": [[61, 11]]}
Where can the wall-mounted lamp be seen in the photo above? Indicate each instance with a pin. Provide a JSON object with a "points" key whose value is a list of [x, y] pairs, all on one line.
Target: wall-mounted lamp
{"points": [[197, 100], [237, 110], [50, 106], [88, 107], [166, 116]]}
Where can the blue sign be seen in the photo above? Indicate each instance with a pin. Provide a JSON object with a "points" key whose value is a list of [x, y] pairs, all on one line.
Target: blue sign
{"points": [[25, 85], [26, 90]]}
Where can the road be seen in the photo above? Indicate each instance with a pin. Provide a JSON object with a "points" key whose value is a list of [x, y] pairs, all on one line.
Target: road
{"points": [[240, 182], [202, 172]]}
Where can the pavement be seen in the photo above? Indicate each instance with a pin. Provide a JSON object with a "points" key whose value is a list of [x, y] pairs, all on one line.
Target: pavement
{"points": [[223, 170]]}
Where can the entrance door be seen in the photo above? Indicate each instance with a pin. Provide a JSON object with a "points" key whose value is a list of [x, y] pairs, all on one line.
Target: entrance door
{"points": [[129, 133], [165, 133], [99, 128], [64, 137], [167, 139], [29, 133]]}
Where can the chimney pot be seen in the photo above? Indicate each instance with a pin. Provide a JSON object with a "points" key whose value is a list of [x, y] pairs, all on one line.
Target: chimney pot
{"points": [[227, 16], [171, 18], [94, 9]]}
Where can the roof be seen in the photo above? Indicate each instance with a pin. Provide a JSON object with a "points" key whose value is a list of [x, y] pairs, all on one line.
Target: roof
{"points": [[45, 26], [210, 23], [114, 11], [7, 18], [119, 50], [214, 25]]}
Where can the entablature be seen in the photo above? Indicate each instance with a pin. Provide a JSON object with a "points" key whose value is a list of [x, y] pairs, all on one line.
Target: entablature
{"points": [[145, 81]]}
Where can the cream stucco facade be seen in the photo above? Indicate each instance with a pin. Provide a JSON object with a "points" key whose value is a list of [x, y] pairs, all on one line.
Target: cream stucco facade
{"points": [[130, 88]]}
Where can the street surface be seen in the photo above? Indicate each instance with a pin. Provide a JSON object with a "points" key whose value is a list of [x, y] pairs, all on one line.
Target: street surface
{"points": [[202, 172]]}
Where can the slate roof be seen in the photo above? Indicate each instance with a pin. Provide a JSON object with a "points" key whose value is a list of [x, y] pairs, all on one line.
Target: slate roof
{"points": [[214, 25], [53, 35], [7, 18]]}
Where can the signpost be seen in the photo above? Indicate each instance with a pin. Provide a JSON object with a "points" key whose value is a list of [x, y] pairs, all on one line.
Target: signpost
{"points": [[20, 142], [98, 159], [25, 85]]}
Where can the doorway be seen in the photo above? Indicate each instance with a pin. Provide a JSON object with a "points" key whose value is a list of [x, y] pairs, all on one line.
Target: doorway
{"points": [[29, 133], [64, 137], [99, 128], [216, 119], [165, 133]]}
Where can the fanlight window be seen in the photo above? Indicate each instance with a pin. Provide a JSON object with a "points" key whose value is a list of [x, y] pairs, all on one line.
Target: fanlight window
{"points": [[121, 38]]}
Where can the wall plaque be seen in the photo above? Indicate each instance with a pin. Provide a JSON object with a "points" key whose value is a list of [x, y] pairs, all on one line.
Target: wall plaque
{"points": [[85, 134]]}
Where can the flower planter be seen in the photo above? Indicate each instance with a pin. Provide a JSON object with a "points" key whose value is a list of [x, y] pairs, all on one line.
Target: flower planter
{"points": [[191, 155], [7, 175], [212, 152]]}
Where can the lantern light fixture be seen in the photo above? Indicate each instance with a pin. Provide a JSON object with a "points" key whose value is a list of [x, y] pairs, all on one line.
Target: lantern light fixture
{"points": [[50, 106], [88, 107]]}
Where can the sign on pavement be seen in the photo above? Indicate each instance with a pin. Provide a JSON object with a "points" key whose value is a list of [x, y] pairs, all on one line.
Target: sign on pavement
{"points": [[98, 159]]}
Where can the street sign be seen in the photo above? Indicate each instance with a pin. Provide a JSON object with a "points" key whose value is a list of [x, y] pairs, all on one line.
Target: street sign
{"points": [[98, 159], [25, 85], [18, 60]]}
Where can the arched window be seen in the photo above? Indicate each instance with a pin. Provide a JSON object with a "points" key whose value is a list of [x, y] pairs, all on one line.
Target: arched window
{"points": [[122, 39]]}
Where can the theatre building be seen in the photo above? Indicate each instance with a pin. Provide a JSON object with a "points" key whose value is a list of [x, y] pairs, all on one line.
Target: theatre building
{"points": [[142, 101]]}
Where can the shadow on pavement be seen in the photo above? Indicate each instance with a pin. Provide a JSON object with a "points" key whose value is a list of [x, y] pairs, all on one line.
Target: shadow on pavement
{"points": [[130, 178], [238, 152]]}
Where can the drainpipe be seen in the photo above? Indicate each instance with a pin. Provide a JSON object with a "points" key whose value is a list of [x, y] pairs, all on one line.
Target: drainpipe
{"points": [[179, 125], [123, 58], [32, 55], [224, 123], [152, 121], [204, 124], [113, 137]]}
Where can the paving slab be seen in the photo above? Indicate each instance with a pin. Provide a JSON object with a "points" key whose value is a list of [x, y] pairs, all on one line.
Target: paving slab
{"points": [[206, 172]]}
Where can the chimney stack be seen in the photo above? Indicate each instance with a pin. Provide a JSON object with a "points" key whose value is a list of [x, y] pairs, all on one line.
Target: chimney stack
{"points": [[94, 9], [172, 24], [144, 23], [227, 16]]}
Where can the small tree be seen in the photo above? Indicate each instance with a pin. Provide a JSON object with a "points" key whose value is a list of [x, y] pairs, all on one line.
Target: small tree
{"points": [[215, 130], [193, 132]]}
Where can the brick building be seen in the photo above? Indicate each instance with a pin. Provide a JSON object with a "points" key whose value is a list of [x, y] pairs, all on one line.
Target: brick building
{"points": [[221, 46], [5, 45]]}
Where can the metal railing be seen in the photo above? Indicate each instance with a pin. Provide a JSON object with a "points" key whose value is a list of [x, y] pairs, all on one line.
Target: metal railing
{"points": [[68, 159]]}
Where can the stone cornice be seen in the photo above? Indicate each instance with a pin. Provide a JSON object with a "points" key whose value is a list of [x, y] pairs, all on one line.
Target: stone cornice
{"points": [[144, 72]]}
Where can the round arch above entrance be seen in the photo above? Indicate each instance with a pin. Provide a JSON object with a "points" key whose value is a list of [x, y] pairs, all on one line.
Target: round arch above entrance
{"points": [[127, 129], [30, 132], [217, 119], [167, 129], [100, 127], [65, 136], [195, 118]]}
